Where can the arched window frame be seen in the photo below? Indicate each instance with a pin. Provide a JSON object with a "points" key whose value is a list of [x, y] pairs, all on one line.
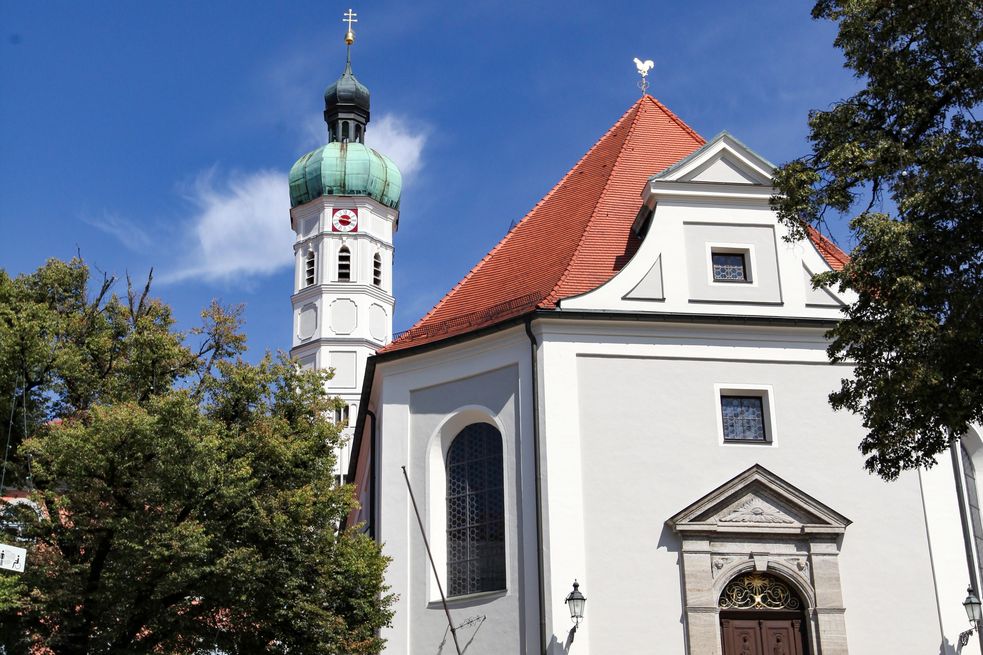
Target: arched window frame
{"points": [[436, 479], [344, 264], [377, 270], [971, 461]]}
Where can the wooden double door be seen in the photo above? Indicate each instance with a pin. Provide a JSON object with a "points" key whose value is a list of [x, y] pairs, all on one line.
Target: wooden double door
{"points": [[762, 636]]}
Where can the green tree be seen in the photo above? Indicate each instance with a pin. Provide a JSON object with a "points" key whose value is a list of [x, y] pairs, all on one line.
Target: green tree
{"points": [[187, 497], [904, 156]]}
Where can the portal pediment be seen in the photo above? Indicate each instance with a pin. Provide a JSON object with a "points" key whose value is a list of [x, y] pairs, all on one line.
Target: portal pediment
{"points": [[758, 502]]}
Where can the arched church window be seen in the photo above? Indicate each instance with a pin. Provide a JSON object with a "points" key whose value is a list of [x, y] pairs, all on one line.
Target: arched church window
{"points": [[358, 133], [377, 270], [973, 500], [310, 269], [475, 512], [344, 264], [344, 131]]}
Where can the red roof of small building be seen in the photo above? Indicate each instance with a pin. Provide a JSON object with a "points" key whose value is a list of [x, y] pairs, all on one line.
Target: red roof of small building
{"points": [[577, 237]]}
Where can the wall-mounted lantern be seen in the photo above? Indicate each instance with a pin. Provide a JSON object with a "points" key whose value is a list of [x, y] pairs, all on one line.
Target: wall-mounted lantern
{"points": [[974, 612], [576, 600]]}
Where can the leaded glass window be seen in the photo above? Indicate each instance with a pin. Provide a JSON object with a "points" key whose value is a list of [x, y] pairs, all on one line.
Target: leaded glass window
{"points": [[729, 267], [475, 512], [743, 418]]}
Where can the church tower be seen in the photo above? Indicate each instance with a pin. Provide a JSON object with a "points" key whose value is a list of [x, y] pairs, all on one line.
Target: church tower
{"points": [[344, 210]]}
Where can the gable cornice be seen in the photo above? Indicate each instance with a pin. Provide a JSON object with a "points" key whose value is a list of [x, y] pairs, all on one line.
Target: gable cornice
{"points": [[784, 509]]}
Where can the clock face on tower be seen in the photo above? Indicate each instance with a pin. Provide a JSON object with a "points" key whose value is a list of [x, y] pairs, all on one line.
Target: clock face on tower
{"points": [[344, 220]]}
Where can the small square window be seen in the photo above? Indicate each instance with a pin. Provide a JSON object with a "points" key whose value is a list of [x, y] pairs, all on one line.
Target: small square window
{"points": [[743, 418], [729, 266]]}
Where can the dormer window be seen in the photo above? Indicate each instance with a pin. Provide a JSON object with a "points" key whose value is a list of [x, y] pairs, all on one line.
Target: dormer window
{"points": [[310, 269], [344, 264], [730, 266], [377, 270]]}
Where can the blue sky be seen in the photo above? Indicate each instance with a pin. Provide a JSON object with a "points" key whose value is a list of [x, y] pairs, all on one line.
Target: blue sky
{"points": [[160, 134]]}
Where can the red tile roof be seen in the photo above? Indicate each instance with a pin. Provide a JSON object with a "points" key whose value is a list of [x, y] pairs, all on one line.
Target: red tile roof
{"points": [[835, 257], [577, 237]]}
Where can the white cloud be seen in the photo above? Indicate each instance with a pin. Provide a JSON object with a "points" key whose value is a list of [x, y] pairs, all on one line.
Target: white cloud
{"points": [[241, 228], [391, 135]]}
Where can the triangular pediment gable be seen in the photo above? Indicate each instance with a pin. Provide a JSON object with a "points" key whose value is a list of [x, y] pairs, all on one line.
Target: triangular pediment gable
{"points": [[724, 160], [758, 502]]}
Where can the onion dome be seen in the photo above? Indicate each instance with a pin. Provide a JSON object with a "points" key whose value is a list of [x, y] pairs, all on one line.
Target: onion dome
{"points": [[347, 99], [343, 168]]}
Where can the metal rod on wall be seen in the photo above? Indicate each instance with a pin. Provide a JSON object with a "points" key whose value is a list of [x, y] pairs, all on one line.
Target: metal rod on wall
{"points": [[440, 587]]}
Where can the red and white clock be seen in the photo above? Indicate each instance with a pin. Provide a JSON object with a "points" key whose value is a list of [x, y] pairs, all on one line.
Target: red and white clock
{"points": [[344, 220]]}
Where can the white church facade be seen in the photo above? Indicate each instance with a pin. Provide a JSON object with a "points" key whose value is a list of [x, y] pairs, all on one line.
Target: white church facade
{"points": [[629, 391]]}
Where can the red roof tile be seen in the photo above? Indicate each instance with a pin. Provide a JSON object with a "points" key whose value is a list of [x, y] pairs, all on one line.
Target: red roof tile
{"points": [[577, 237], [835, 257]]}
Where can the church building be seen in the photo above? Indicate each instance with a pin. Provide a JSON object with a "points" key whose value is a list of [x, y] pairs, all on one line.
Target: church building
{"points": [[624, 401]]}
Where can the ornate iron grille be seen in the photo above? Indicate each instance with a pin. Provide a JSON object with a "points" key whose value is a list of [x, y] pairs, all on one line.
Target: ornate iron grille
{"points": [[475, 512], [758, 591]]}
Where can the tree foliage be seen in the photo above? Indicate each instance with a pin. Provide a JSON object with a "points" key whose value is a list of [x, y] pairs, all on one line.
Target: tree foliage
{"points": [[187, 502], [904, 155]]}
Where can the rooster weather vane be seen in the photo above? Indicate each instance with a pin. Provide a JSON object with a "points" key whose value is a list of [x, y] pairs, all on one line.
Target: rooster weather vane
{"points": [[643, 69]]}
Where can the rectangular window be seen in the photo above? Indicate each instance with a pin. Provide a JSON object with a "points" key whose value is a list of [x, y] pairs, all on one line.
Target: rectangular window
{"points": [[743, 418], [729, 267]]}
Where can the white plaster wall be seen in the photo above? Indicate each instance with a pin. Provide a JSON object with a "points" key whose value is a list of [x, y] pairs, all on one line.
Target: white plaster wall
{"points": [[631, 438], [419, 394], [312, 225], [673, 219]]}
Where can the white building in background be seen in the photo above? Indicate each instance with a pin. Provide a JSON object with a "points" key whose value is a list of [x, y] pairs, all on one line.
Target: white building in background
{"points": [[629, 390]]}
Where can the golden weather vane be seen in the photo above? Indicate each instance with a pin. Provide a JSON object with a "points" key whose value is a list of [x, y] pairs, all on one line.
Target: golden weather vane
{"points": [[350, 18]]}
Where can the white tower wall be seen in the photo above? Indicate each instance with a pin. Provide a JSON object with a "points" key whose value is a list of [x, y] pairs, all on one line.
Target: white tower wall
{"points": [[338, 324]]}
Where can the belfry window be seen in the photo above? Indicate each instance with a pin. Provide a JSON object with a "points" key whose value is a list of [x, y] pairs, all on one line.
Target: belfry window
{"points": [[310, 269], [344, 264], [342, 414], [377, 270], [475, 512], [344, 131]]}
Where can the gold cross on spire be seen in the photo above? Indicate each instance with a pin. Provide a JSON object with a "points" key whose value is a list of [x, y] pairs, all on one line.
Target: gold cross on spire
{"points": [[350, 18]]}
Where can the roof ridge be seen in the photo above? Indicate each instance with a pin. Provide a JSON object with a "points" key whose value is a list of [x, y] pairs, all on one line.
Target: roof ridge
{"points": [[501, 243], [676, 119], [551, 297]]}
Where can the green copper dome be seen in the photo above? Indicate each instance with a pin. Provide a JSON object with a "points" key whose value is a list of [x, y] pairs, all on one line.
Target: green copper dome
{"points": [[345, 169]]}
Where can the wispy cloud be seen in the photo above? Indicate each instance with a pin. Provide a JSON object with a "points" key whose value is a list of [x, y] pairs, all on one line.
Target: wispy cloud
{"points": [[241, 228], [128, 233]]}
